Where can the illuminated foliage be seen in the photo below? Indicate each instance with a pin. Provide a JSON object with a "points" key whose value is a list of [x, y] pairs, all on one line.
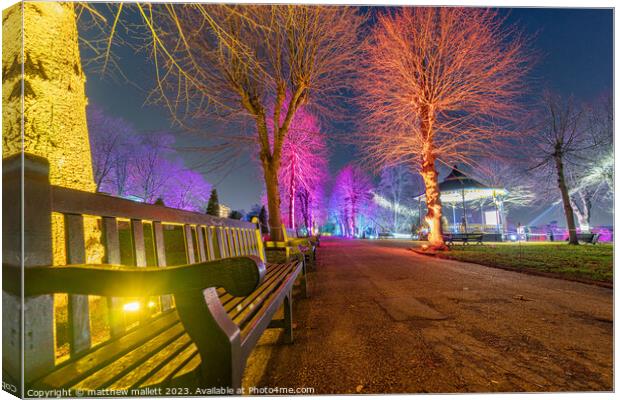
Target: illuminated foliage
{"points": [[303, 169], [144, 166], [559, 140], [351, 201], [440, 85], [242, 58], [592, 178], [397, 188], [574, 148], [229, 61], [111, 140]]}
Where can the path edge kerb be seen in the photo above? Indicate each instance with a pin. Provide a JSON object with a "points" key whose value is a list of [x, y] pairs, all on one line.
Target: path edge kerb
{"points": [[527, 271]]}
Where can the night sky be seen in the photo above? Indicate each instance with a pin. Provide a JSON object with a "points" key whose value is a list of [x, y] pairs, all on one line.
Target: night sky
{"points": [[576, 48]]}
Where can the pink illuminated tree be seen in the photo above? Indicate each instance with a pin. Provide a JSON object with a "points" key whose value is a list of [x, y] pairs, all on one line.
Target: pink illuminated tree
{"points": [[303, 169], [440, 85]]}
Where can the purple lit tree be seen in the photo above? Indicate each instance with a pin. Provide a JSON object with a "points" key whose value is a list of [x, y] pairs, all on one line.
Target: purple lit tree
{"points": [[145, 166], [351, 200], [152, 169], [186, 189], [303, 169], [111, 140]]}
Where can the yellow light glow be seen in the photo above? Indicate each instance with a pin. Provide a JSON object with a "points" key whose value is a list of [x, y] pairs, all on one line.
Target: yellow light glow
{"points": [[131, 307], [151, 304]]}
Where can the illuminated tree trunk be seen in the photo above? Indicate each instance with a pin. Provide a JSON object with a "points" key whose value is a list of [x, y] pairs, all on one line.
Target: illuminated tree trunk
{"points": [[270, 171], [583, 210], [430, 177], [568, 209], [291, 197], [353, 216], [433, 201]]}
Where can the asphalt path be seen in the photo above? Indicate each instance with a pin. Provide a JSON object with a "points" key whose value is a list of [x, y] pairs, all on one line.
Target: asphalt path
{"points": [[382, 319]]}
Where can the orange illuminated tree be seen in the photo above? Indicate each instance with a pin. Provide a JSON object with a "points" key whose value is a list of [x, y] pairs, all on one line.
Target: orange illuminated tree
{"points": [[440, 85]]}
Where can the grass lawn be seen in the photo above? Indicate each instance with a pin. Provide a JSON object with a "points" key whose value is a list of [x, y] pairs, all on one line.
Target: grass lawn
{"points": [[584, 262]]}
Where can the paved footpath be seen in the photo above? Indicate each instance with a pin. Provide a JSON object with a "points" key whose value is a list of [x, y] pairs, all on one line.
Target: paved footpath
{"points": [[382, 319]]}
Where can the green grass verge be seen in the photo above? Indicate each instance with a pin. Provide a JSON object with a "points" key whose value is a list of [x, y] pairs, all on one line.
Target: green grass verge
{"points": [[584, 262]]}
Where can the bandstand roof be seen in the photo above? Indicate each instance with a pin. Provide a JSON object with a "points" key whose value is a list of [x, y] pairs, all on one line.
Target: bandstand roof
{"points": [[457, 187]]}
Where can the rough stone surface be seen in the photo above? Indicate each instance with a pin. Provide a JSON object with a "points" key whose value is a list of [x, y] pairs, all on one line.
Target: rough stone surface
{"points": [[54, 95], [346, 341], [54, 102]]}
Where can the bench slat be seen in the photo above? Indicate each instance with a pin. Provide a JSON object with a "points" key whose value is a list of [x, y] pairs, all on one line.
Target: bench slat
{"points": [[247, 309], [71, 201], [79, 321], [137, 237], [189, 244], [112, 247], [73, 371], [192, 365], [168, 370], [200, 238], [120, 366], [231, 302], [222, 246], [160, 253], [253, 329], [209, 235], [155, 362]]}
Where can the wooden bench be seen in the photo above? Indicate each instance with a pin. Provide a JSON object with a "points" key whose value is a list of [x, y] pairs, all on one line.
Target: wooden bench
{"points": [[385, 235], [465, 238], [292, 244], [206, 316], [584, 237]]}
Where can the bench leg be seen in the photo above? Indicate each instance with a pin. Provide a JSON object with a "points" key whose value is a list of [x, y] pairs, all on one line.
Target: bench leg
{"points": [[288, 318], [304, 280]]}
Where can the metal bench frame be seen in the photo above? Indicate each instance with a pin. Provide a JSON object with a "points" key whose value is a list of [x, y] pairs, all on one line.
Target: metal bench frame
{"points": [[464, 238], [591, 238]]}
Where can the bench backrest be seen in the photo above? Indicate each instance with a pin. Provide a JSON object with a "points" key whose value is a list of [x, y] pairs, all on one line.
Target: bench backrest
{"points": [[288, 233], [132, 233]]}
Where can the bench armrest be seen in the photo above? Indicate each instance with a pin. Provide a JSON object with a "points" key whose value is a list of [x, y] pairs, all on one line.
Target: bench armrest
{"points": [[239, 276]]}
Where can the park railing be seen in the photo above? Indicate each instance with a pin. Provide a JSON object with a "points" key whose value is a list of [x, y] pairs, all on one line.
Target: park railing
{"points": [[39, 217]]}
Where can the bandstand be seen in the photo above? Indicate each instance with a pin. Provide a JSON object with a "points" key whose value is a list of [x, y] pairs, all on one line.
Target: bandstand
{"points": [[470, 205]]}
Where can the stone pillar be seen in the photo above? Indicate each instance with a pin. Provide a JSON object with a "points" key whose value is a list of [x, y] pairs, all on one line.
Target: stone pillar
{"points": [[54, 95], [54, 102]]}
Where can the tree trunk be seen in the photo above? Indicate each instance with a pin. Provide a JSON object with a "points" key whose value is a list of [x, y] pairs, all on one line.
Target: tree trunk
{"points": [[353, 216], [430, 177], [568, 209], [270, 172], [433, 202], [583, 211], [291, 198]]}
